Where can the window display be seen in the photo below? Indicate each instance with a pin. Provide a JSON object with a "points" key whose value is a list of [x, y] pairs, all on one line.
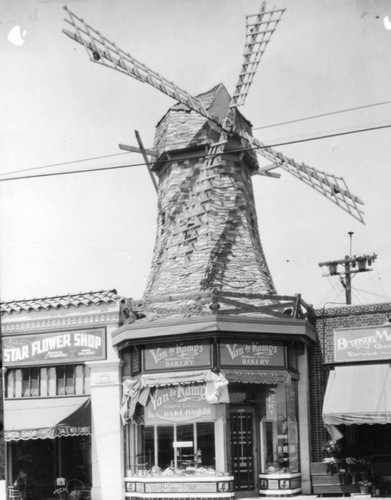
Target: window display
{"points": [[177, 446], [279, 428]]}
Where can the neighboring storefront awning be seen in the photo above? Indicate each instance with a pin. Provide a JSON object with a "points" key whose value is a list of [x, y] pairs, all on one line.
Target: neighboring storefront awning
{"points": [[46, 418], [359, 394]]}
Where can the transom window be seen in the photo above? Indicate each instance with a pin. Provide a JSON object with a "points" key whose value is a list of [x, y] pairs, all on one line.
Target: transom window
{"points": [[46, 381]]}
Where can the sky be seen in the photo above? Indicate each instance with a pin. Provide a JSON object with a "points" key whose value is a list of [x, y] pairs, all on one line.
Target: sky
{"points": [[92, 231]]}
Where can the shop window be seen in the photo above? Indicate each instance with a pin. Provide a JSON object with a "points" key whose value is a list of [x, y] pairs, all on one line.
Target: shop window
{"points": [[30, 382], [65, 376], [47, 381], [279, 429], [179, 446]]}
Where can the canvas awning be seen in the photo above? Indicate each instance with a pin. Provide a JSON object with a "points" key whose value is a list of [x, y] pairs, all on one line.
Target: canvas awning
{"points": [[358, 394], [137, 390], [46, 418]]}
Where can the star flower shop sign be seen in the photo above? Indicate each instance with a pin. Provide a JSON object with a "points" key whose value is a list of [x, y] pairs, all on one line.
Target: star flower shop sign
{"points": [[54, 347]]}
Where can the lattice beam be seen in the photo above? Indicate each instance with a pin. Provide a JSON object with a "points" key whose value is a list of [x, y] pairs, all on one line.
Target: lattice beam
{"points": [[102, 51], [259, 30], [332, 187]]}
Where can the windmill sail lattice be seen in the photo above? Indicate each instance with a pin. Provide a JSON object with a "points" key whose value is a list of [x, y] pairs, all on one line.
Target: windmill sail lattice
{"points": [[260, 28]]}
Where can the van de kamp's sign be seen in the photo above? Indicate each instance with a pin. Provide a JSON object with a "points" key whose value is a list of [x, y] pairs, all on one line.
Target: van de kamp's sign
{"points": [[178, 355], [56, 347], [362, 344], [252, 354]]}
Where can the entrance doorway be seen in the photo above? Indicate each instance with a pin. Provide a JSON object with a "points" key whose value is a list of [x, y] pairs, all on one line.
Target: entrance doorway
{"points": [[243, 460]]}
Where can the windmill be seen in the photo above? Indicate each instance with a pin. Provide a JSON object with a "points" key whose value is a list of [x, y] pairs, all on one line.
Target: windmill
{"points": [[204, 156]]}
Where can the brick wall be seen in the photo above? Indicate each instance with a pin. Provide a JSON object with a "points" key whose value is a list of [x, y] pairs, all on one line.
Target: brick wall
{"points": [[322, 355]]}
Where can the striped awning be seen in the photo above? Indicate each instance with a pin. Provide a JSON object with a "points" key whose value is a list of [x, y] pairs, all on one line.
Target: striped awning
{"points": [[358, 394], [46, 418]]}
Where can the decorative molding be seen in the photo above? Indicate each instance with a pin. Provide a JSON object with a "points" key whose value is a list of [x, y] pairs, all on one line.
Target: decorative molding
{"points": [[105, 373], [352, 310], [104, 379], [24, 326]]}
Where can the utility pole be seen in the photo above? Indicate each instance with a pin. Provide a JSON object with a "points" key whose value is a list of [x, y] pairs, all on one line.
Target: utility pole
{"points": [[351, 265]]}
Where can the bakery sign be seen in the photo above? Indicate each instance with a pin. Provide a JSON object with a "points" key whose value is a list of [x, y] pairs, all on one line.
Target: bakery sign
{"points": [[72, 346], [252, 354], [362, 344], [178, 403], [177, 355]]}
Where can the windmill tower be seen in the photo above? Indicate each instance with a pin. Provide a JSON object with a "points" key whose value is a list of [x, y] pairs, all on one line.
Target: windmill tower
{"points": [[204, 156]]}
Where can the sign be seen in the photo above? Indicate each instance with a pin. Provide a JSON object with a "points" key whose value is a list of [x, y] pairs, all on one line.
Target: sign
{"points": [[180, 487], [252, 354], [362, 344], [72, 346], [271, 406], [179, 403], [182, 444], [178, 355]]}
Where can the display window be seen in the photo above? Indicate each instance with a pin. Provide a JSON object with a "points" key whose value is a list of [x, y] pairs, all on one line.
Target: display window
{"points": [[179, 445], [279, 429]]}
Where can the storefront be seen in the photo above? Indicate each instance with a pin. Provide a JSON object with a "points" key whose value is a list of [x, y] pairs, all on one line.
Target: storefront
{"points": [[358, 402], [356, 409], [58, 370], [215, 415]]}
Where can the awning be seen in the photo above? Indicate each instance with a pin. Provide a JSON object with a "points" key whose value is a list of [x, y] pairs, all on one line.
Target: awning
{"points": [[46, 418], [270, 377], [359, 394], [137, 390], [174, 378]]}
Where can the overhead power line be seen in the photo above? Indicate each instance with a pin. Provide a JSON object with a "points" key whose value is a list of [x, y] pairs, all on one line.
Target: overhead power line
{"points": [[117, 167], [71, 162], [321, 115]]}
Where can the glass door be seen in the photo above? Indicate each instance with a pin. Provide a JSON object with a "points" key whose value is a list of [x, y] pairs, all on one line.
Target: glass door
{"points": [[242, 448]]}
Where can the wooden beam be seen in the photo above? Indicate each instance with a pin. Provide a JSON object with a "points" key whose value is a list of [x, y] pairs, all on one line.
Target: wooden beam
{"points": [[265, 171], [134, 149], [146, 159]]}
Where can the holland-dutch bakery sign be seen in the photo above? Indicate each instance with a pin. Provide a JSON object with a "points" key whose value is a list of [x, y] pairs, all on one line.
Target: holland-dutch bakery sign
{"points": [[177, 355], [252, 354], [362, 344], [55, 347]]}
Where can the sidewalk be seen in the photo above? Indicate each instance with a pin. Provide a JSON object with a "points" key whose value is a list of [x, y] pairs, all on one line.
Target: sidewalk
{"points": [[356, 496]]}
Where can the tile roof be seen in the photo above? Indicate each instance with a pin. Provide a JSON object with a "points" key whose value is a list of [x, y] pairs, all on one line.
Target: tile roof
{"points": [[65, 301]]}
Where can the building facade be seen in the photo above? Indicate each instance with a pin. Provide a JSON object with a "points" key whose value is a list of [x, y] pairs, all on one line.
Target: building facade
{"points": [[350, 394], [62, 389]]}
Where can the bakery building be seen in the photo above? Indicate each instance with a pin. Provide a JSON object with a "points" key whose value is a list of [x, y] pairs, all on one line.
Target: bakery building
{"points": [[215, 364], [216, 404]]}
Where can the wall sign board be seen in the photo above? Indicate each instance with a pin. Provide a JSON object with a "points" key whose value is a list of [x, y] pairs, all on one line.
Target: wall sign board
{"points": [[72, 346], [252, 354], [179, 403], [178, 355], [362, 344]]}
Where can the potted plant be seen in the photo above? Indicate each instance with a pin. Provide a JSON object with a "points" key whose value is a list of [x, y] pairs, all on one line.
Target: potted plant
{"points": [[365, 485]]}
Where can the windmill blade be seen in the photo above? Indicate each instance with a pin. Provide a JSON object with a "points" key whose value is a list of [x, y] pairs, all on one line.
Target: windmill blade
{"points": [[259, 30], [102, 51], [332, 187]]}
